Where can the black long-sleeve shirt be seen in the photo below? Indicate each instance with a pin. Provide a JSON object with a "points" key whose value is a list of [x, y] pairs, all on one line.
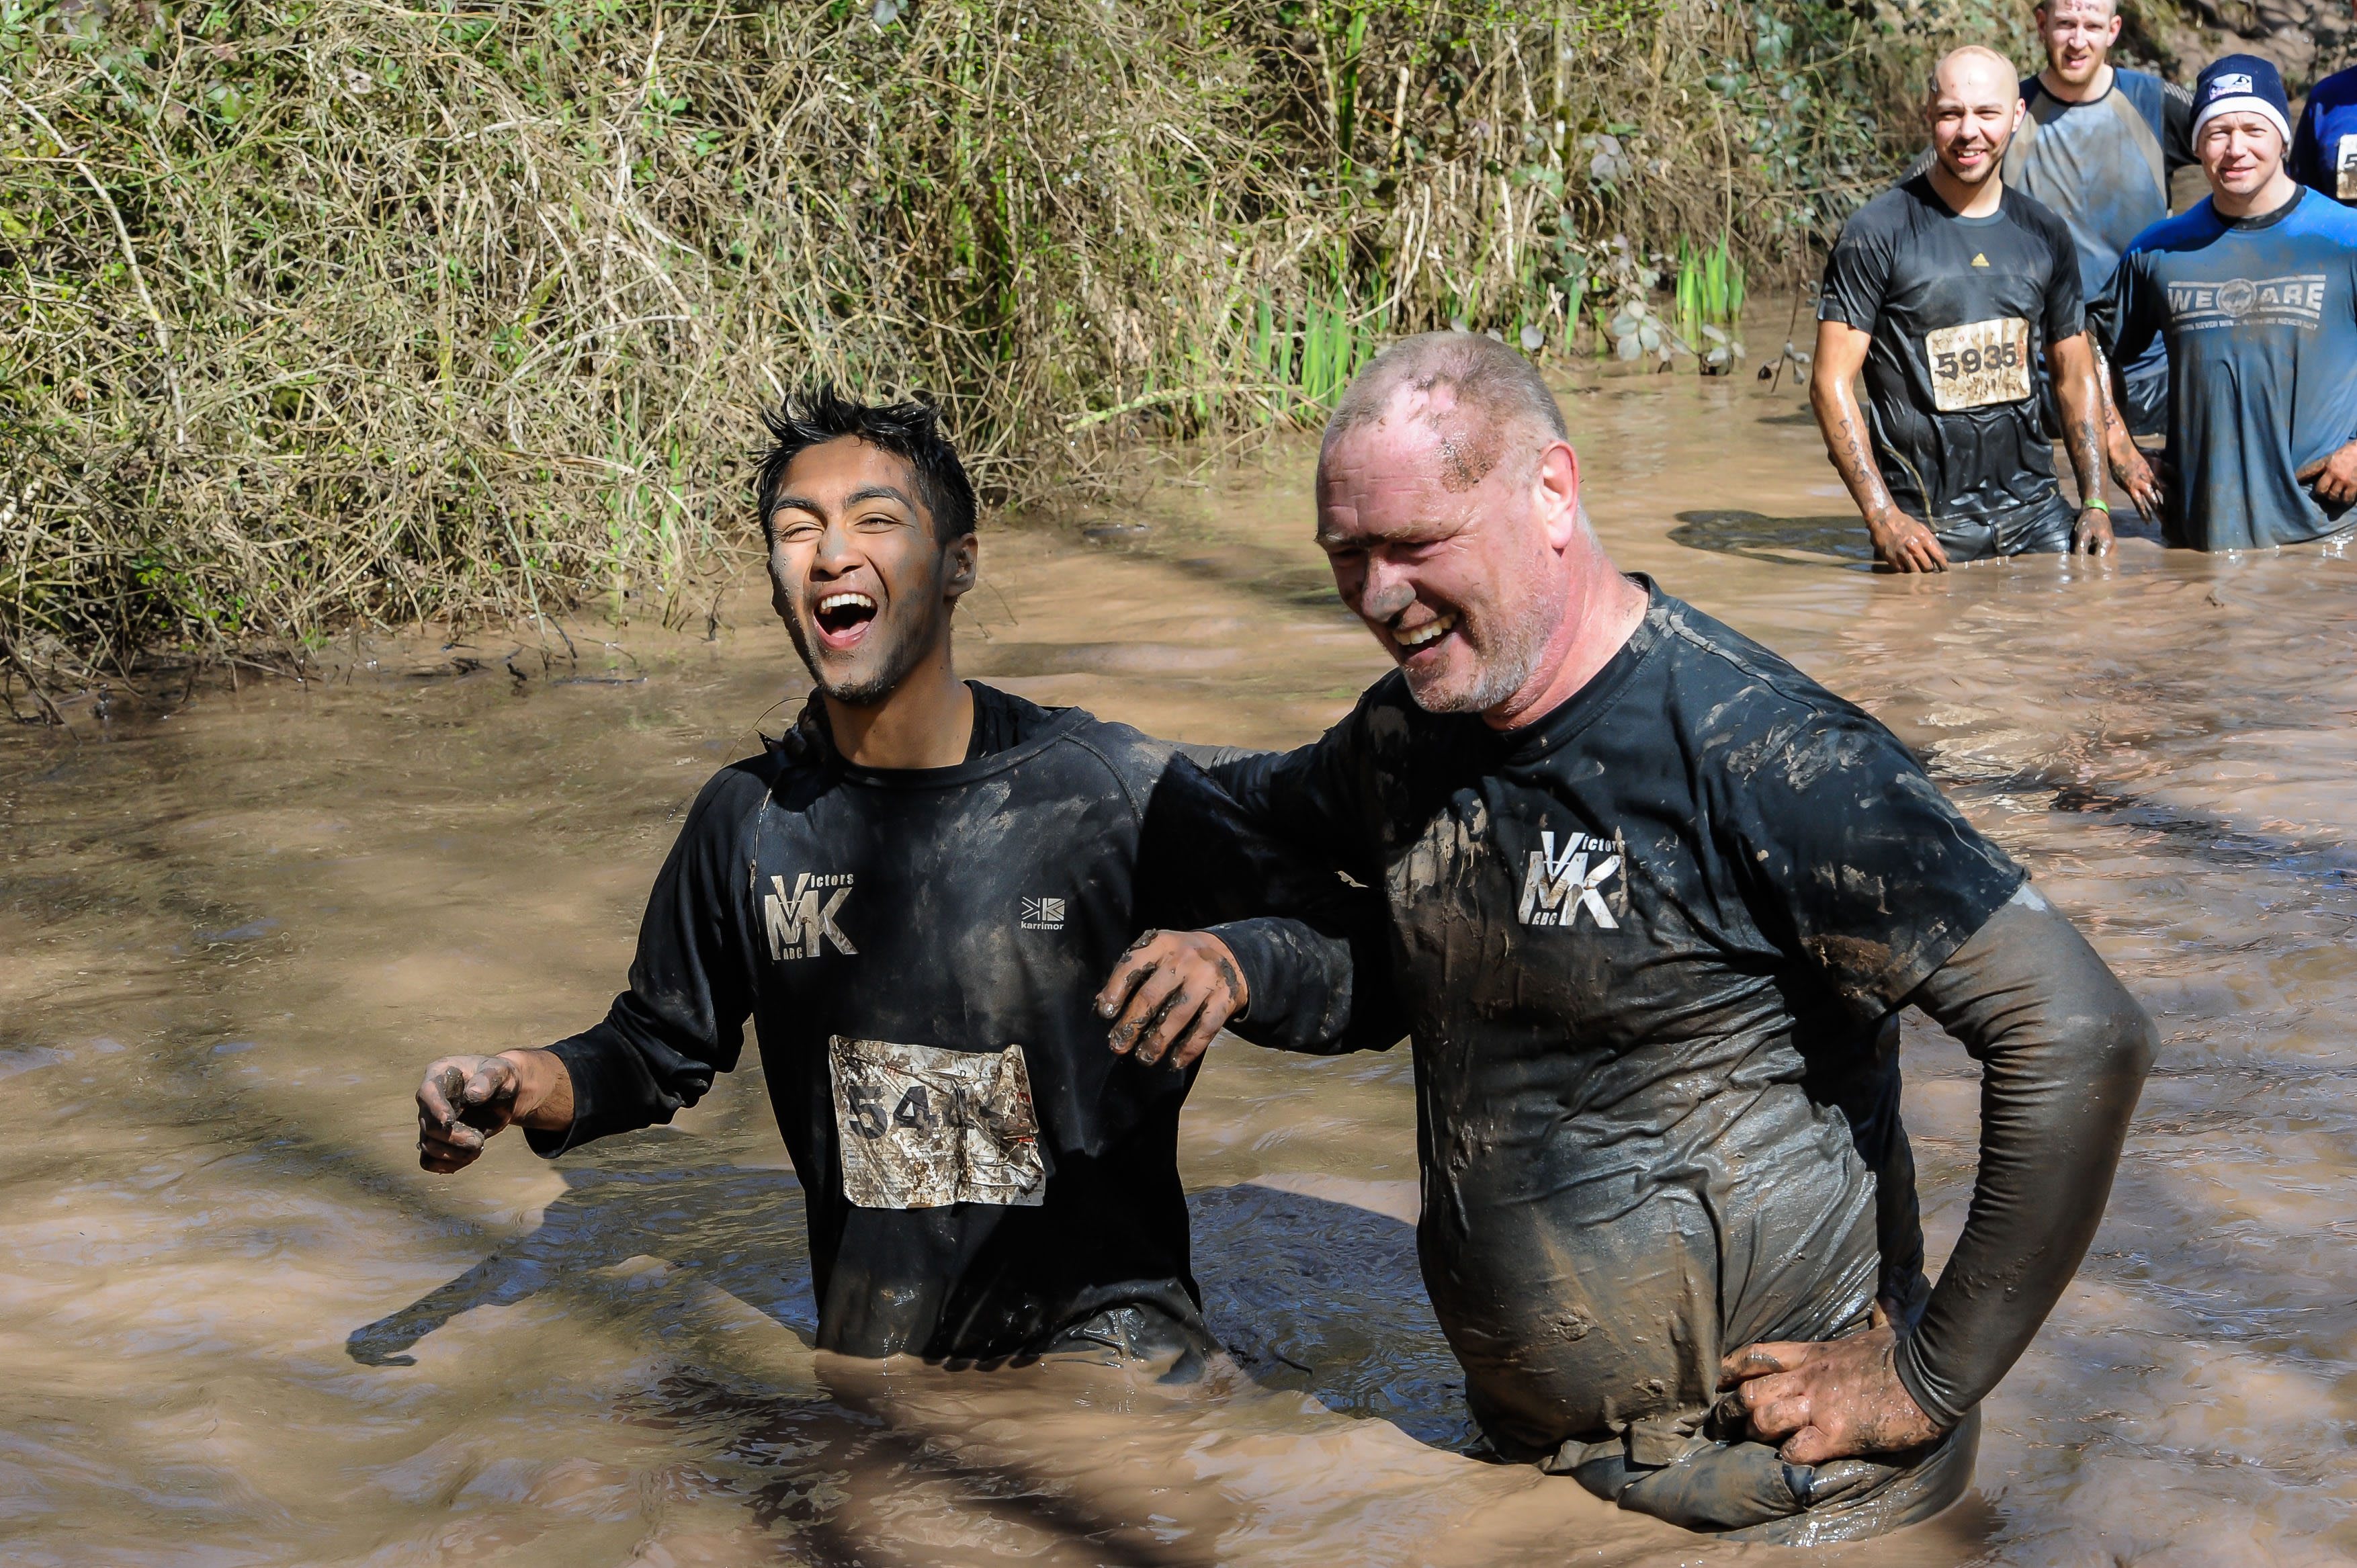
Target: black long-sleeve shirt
{"points": [[920, 952], [1648, 950]]}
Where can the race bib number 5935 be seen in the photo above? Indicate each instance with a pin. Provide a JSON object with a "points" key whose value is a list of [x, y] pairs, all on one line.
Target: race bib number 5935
{"points": [[1979, 363], [919, 1127]]}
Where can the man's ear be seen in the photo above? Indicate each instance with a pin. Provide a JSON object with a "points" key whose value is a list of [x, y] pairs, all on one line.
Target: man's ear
{"points": [[963, 560], [1557, 488]]}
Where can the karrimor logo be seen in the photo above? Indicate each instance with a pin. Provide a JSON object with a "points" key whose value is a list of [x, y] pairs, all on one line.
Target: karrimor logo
{"points": [[1556, 885], [797, 922]]}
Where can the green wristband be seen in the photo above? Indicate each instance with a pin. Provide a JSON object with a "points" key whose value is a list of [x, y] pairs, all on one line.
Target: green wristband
{"points": [[2096, 504]]}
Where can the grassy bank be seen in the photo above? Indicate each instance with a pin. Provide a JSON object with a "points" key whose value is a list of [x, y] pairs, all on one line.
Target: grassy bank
{"points": [[339, 312]]}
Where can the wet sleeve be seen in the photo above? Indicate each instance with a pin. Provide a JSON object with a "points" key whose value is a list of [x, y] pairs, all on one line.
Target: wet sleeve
{"points": [[2119, 319], [1857, 275], [2063, 1051], [1308, 798], [1857, 863], [683, 1019], [2177, 128], [2066, 306], [1310, 948]]}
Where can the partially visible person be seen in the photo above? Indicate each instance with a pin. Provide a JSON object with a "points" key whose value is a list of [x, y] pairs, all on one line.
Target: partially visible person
{"points": [[2099, 144], [918, 896], [1947, 290], [2324, 145], [2254, 293]]}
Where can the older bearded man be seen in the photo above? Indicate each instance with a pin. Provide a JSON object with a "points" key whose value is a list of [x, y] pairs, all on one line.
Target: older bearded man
{"points": [[1656, 899]]}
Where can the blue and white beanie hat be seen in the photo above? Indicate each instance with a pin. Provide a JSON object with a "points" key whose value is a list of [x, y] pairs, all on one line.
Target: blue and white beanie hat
{"points": [[2242, 84]]}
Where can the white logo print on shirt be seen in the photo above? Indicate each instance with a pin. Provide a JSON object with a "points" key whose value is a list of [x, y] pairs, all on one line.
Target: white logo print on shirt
{"points": [[1043, 914], [797, 922], [1556, 888]]}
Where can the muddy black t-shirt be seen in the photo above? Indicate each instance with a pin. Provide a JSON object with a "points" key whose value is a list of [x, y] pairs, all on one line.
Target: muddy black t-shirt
{"points": [[1962, 310], [919, 951], [1648, 950]]}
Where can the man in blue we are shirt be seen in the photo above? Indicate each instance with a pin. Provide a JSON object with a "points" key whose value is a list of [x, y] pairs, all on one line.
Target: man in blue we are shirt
{"points": [[2324, 147], [2099, 144], [2254, 292]]}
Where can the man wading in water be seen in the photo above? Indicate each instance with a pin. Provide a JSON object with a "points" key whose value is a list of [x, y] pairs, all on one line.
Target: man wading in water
{"points": [[1656, 899], [2254, 292], [2099, 144], [1947, 290], [916, 895]]}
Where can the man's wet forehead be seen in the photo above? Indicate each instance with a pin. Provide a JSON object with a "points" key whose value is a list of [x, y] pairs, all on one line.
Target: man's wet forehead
{"points": [[1374, 487], [1425, 423]]}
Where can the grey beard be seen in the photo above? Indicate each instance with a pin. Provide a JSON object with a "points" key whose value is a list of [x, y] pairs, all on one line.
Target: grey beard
{"points": [[1501, 675]]}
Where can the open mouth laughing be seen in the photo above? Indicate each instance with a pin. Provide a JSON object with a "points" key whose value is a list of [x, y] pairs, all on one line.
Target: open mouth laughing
{"points": [[1412, 640], [843, 619]]}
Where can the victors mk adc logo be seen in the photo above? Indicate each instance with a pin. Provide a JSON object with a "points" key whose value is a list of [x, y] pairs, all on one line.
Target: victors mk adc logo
{"points": [[797, 921], [1556, 885]]}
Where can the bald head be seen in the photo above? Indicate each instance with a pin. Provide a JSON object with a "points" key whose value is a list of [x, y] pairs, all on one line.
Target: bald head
{"points": [[1478, 400], [1972, 73]]}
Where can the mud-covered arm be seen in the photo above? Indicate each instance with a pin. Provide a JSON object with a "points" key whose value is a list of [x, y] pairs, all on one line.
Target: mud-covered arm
{"points": [[683, 1019], [1311, 950], [2064, 1049]]}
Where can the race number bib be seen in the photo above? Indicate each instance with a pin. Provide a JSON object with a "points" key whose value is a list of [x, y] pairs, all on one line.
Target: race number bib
{"points": [[919, 1127], [1979, 363], [2344, 168]]}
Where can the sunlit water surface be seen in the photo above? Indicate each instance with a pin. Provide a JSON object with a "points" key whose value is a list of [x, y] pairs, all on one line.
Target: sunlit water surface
{"points": [[239, 1327]]}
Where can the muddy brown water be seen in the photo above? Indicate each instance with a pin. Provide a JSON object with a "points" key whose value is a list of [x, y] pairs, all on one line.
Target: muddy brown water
{"points": [[239, 1327]]}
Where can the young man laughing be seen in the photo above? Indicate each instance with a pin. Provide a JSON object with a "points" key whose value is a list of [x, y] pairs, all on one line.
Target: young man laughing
{"points": [[917, 896]]}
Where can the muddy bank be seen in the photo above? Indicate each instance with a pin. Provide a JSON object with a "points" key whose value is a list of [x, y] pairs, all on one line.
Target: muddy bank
{"points": [[238, 1317]]}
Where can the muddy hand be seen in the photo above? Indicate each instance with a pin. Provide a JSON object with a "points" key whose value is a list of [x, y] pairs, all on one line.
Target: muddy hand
{"points": [[1906, 545], [461, 1103], [2335, 477], [1171, 992], [2092, 535], [1825, 1400], [2141, 476]]}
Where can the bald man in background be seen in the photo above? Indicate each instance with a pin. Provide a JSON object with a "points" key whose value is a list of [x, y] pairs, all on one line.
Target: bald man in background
{"points": [[1656, 899], [1949, 291]]}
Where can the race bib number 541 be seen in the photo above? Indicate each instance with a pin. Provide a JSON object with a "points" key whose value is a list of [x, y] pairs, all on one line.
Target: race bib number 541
{"points": [[1979, 363], [919, 1127]]}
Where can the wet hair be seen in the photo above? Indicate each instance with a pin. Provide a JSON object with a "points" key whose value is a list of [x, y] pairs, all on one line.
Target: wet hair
{"points": [[909, 431], [1491, 385]]}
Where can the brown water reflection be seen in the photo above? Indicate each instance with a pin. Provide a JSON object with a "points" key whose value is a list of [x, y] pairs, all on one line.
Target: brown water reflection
{"points": [[239, 1327]]}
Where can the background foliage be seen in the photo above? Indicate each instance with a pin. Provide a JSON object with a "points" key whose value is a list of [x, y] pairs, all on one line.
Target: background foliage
{"points": [[321, 313]]}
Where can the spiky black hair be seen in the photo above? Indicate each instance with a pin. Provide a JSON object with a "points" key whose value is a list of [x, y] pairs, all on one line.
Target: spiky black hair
{"points": [[909, 431]]}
